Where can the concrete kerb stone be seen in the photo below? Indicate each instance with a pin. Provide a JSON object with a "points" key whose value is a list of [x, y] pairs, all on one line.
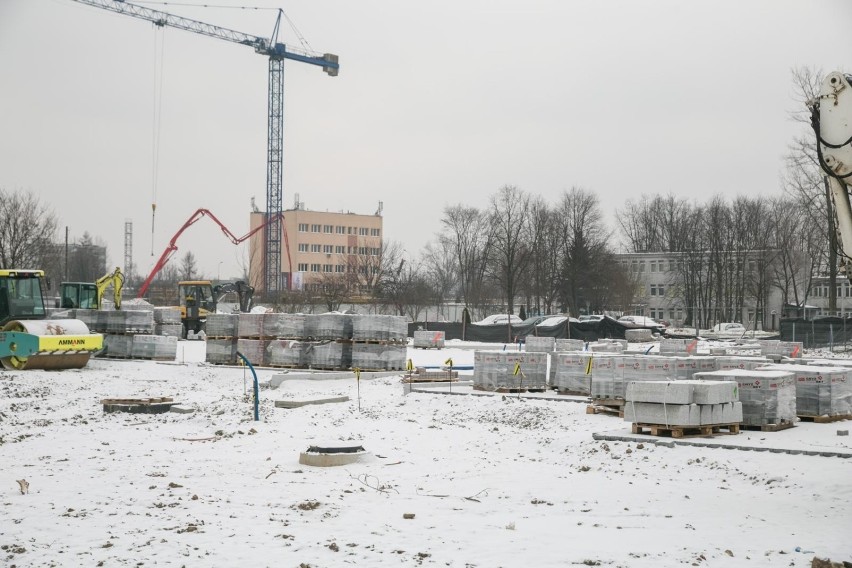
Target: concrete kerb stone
{"points": [[558, 398], [601, 436]]}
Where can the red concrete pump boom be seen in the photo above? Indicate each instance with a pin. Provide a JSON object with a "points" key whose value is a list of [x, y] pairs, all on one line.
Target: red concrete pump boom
{"points": [[172, 248]]}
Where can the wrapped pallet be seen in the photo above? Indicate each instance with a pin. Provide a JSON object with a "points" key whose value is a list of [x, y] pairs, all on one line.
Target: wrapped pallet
{"points": [[117, 346], [330, 355], [253, 349], [250, 326], [429, 339], [678, 346], [569, 345], [378, 356], [158, 347], [166, 315], [283, 326], [569, 372], [328, 326], [285, 353], [379, 328], [495, 371], [768, 397], [168, 329], [820, 390], [222, 351], [539, 344], [221, 326], [607, 377]]}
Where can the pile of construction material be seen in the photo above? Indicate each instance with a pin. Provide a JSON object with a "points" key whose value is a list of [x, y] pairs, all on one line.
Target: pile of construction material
{"points": [[167, 322], [429, 339], [322, 341], [820, 391], [768, 397], [509, 371], [683, 407]]}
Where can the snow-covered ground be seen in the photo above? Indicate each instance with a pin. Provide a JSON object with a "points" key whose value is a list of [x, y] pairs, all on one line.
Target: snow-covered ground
{"points": [[495, 480]]}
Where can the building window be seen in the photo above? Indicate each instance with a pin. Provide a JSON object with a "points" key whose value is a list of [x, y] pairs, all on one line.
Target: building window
{"points": [[653, 290], [303, 267], [661, 291], [315, 268], [341, 230], [363, 231], [316, 248], [303, 227], [340, 268], [340, 249], [315, 228], [303, 247], [362, 250], [328, 229], [327, 248], [326, 268], [375, 232], [350, 230], [653, 264]]}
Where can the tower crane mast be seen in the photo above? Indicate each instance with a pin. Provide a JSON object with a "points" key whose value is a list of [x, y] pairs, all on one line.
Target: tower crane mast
{"points": [[277, 53]]}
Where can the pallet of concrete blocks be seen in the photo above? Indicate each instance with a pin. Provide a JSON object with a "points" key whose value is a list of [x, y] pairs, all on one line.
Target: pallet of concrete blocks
{"points": [[729, 362], [289, 353], [606, 347], [331, 355], [820, 391], [569, 374], [250, 326], [768, 397], [378, 356], [328, 326], [648, 368], [117, 346], [685, 368], [680, 408], [166, 315], [155, 347], [791, 349], [379, 328], [429, 339], [607, 377], [167, 322], [679, 346], [495, 371], [283, 326], [221, 351], [221, 326], [569, 345], [129, 321], [253, 349], [533, 344]]}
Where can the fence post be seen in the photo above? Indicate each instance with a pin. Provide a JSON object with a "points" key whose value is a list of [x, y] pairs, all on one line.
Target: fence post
{"points": [[794, 331], [831, 338]]}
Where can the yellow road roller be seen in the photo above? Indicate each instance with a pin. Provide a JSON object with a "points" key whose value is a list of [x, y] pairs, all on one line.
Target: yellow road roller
{"points": [[30, 341]]}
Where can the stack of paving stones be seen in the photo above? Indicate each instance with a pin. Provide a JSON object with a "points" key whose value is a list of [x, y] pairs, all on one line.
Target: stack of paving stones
{"points": [[569, 345], [607, 377], [167, 322], [768, 397], [820, 390], [535, 344], [321, 341], [790, 349], [678, 346], [495, 371], [156, 347], [128, 334], [683, 403], [569, 372], [429, 339]]}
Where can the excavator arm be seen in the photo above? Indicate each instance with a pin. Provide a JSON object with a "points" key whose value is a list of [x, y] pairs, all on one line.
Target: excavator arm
{"points": [[244, 292], [831, 118], [116, 280]]}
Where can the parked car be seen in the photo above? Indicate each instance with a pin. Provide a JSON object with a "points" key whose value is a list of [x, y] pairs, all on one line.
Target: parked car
{"points": [[641, 321], [556, 320], [591, 317], [729, 327], [499, 319]]}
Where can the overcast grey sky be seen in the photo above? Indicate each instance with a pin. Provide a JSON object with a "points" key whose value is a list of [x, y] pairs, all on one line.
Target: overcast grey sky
{"points": [[437, 103]]}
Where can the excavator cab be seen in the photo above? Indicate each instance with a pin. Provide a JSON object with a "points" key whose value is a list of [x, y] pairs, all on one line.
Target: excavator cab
{"points": [[89, 295], [196, 301]]}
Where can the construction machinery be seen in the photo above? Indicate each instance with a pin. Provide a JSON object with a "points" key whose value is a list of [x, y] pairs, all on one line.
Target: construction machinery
{"points": [[198, 298], [831, 118], [89, 295], [28, 340], [277, 53]]}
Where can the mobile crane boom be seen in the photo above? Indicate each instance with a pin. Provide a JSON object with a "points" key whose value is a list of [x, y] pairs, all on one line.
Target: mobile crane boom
{"points": [[277, 53]]}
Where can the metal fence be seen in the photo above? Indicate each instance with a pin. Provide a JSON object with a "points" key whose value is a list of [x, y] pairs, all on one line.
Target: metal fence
{"points": [[831, 332]]}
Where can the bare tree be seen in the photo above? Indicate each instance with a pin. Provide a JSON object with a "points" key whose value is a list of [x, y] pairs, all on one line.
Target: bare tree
{"points": [[440, 270], [27, 230], [510, 245], [188, 266], [471, 235]]}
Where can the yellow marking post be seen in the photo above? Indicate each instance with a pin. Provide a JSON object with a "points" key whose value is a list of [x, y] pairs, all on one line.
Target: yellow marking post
{"points": [[409, 366], [357, 372], [589, 366], [449, 362], [517, 369]]}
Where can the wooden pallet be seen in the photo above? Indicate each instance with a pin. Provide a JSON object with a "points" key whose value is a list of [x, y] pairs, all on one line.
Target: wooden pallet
{"points": [[767, 427], [684, 431], [569, 392], [508, 390], [603, 409], [825, 419], [149, 400]]}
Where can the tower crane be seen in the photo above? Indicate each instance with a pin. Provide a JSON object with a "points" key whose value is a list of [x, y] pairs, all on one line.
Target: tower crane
{"points": [[277, 53]]}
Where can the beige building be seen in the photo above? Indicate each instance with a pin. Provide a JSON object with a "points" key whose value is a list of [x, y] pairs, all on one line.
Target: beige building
{"points": [[321, 247]]}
